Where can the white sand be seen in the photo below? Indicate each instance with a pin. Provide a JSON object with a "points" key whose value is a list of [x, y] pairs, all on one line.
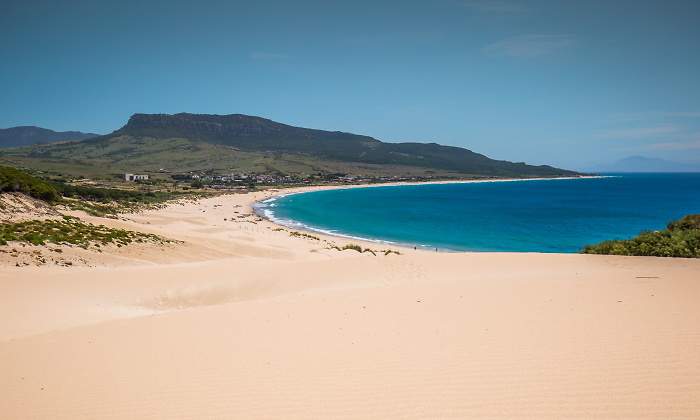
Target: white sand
{"points": [[243, 321]]}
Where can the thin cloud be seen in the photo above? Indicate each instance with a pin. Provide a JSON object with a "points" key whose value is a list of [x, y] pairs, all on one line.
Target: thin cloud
{"points": [[638, 133], [267, 56], [494, 6], [527, 46]]}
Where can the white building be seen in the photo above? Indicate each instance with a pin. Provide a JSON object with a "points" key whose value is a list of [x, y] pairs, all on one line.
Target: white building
{"points": [[134, 177]]}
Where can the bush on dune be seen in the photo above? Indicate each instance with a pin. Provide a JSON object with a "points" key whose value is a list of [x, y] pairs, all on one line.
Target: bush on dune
{"points": [[692, 221], [681, 238], [14, 180]]}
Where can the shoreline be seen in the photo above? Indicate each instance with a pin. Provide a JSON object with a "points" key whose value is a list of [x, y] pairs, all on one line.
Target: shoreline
{"points": [[259, 209], [246, 320]]}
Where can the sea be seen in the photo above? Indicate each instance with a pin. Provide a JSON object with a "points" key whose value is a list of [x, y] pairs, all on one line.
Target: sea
{"points": [[555, 215]]}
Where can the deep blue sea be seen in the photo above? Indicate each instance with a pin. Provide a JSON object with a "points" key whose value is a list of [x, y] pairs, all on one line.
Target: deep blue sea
{"points": [[525, 216]]}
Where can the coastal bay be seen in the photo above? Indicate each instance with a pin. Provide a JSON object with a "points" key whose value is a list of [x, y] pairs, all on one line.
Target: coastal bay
{"points": [[267, 324], [559, 215]]}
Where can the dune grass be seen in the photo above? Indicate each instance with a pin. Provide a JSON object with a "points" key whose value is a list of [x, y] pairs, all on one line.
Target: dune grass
{"points": [[361, 250], [303, 235], [71, 231]]}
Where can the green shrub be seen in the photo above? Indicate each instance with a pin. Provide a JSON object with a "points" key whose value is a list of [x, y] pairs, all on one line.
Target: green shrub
{"points": [[680, 239], [15, 180], [691, 221]]}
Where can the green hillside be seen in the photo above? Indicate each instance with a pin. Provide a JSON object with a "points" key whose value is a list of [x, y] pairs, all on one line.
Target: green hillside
{"points": [[14, 180], [238, 143]]}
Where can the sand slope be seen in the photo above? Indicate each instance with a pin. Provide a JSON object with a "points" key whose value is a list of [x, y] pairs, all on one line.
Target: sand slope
{"points": [[252, 323]]}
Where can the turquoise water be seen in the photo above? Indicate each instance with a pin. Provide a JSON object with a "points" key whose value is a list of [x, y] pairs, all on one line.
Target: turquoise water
{"points": [[540, 216]]}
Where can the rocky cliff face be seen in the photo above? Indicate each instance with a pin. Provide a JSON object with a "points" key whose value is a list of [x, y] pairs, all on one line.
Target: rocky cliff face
{"points": [[232, 128]]}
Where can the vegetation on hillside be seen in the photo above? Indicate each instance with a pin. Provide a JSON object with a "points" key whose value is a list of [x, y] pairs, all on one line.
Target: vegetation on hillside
{"points": [[112, 195], [109, 158], [182, 143], [71, 231], [15, 180], [681, 238], [252, 133], [98, 201]]}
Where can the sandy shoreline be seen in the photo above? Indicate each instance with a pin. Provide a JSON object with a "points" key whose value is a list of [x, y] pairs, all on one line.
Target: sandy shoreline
{"points": [[244, 320], [260, 211]]}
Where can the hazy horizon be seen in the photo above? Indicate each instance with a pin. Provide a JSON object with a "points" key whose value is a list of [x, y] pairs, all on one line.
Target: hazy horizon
{"points": [[561, 83]]}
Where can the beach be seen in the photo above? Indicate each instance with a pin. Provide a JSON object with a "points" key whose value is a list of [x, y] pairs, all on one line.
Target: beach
{"points": [[242, 318]]}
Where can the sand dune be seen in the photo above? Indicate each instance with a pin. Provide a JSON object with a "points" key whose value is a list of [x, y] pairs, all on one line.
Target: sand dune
{"points": [[243, 321]]}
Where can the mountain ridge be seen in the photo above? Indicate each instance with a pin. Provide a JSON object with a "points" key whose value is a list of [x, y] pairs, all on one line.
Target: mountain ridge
{"points": [[185, 142], [28, 135], [254, 133]]}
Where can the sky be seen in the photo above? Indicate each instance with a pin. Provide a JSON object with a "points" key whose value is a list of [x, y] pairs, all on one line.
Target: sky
{"points": [[567, 83]]}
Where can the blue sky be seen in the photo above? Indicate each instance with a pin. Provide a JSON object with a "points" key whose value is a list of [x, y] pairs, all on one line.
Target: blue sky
{"points": [[569, 83]]}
